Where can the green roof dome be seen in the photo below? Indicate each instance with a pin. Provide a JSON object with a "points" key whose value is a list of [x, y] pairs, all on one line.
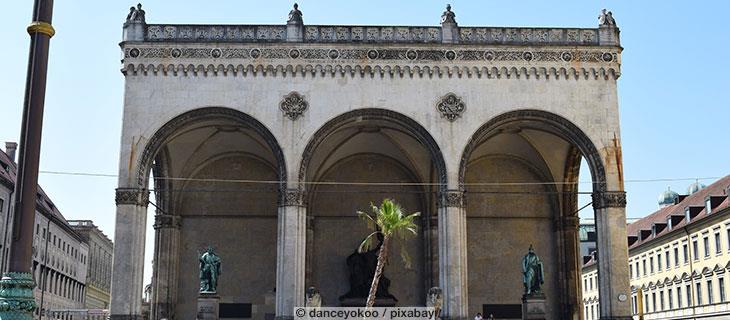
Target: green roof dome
{"points": [[667, 197], [694, 187]]}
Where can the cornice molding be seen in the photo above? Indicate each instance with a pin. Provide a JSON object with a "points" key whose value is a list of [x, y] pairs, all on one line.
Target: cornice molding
{"points": [[416, 61], [377, 71]]}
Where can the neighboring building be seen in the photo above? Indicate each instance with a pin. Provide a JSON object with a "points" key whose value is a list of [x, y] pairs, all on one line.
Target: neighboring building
{"points": [[99, 271], [59, 254], [587, 236], [679, 258]]}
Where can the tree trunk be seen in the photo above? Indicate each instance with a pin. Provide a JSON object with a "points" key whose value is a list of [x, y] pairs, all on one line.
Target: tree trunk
{"points": [[382, 255]]}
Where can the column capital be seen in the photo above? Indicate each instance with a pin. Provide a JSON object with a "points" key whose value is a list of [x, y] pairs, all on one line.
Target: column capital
{"points": [[609, 199], [292, 197], [452, 198], [167, 221], [133, 196]]}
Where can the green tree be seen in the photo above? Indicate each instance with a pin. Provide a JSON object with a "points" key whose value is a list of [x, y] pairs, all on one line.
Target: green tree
{"points": [[389, 221]]}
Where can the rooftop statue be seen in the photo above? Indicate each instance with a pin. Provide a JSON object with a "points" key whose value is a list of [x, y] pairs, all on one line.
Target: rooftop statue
{"points": [[606, 18], [136, 14], [295, 15], [448, 16], [532, 273], [210, 270]]}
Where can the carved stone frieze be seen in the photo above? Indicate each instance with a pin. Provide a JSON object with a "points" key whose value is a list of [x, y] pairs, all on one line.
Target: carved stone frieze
{"points": [[293, 105], [452, 198], [373, 54], [451, 106], [609, 199], [167, 221], [292, 197], [133, 196]]}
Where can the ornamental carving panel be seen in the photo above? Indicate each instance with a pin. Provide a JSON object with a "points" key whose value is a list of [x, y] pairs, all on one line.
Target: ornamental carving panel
{"points": [[292, 197], [167, 221], [132, 196], [451, 106], [293, 105], [609, 199], [452, 198]]}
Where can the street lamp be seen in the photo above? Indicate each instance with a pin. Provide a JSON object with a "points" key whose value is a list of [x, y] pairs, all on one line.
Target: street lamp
{"points": [[16, 285]]}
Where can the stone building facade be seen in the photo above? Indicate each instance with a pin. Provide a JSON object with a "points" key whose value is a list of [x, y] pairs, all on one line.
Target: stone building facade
{"points": [[59, 254], [678, 258], [99, 267], [264, 141]]}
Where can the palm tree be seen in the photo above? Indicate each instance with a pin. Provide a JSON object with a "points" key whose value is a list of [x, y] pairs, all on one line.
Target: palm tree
{"points": [[388, 220]]}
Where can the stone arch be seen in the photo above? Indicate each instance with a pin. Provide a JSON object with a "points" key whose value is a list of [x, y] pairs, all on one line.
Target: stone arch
{"points": [[158, 139], [563, 128], [417, 130]]}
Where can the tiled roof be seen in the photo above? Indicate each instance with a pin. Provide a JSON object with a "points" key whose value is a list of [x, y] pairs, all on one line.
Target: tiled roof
{"points": [[43, 202], [717, 189]]}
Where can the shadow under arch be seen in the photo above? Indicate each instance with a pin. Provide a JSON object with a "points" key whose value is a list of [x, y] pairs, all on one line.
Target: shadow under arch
{"points": [[419, 133], [562, 127], [161, 136]]}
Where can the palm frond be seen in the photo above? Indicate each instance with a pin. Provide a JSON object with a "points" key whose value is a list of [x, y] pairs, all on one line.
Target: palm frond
{"points": [[366, 243]]}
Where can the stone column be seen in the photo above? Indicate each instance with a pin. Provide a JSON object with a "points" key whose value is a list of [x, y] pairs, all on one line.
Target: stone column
{"points": [[128, 265], [571, 270], [613, 256], [164, 283], [290, 255], [452, 254]]}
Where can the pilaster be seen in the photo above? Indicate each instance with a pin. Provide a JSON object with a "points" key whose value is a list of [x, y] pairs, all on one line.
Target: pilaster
{"points": [[129, 239], [290, 259], [164, 276], [613, 270], [452, 253]]}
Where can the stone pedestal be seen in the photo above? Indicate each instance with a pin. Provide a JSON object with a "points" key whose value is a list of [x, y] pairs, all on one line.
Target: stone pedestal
{"points": [[208, 305], [534, 307]]}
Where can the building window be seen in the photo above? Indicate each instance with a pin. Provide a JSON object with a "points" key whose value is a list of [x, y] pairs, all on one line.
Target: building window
{"points": [[659, 262], [695, 249], [706, 244], [661, 300], [653, 301], [666, 258], [637, 268], [676, 257], [585, 283], [721, 288], [631, 271], [670, 299], [699, 293], [708, 205], [685, 252], [679, 297], [591, 283], [709, 292], [651, 264], [718, 243], [2, 205], [688, 292], [646, 303], [687, 216], [643, 266], [669, 223]]}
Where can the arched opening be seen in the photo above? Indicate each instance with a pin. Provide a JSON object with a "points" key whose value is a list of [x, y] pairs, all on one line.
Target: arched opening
{"points": [[520, 172], [359, 158], [218, 176]]}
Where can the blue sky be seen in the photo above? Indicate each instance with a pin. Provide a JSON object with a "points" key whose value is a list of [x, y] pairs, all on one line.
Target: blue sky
{"points": [[673, 89]]}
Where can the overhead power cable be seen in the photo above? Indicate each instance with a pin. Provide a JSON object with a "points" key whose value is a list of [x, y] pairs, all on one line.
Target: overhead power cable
{"points": [[355, 183]]}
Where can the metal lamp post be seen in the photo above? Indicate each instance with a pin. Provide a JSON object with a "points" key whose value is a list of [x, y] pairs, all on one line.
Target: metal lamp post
{"points": [[16, 285]]}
